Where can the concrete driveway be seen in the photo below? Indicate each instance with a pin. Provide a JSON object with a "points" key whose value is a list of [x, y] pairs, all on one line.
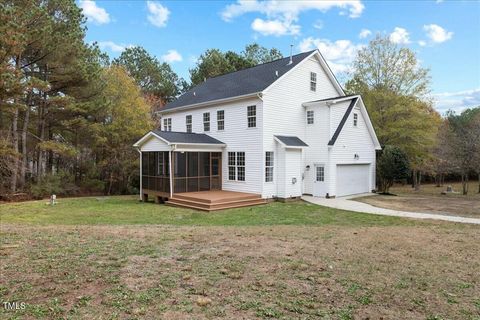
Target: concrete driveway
{"points": [[346, 203]]}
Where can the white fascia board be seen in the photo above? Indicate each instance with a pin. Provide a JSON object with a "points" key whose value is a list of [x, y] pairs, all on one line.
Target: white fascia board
{"points": [[364, 111], [207, 103], [146, 137]]}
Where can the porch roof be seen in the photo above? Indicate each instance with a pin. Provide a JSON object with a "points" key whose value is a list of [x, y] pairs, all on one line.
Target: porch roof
{"points": [[291, 141], [174, 138]]}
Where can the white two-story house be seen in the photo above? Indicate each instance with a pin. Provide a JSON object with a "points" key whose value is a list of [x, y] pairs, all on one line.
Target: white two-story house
{"points": [[277, 130]]}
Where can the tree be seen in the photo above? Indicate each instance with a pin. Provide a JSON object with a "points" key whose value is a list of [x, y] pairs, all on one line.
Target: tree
{"points": [[153, 77], [386, 66], [393, 87], [463, 143], [124, 118], [391, 166], [214, 62]]}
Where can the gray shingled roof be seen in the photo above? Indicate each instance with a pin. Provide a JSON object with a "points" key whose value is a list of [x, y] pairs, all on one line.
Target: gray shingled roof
{"points": [[239, 83], [291, 141], [184, 137]]}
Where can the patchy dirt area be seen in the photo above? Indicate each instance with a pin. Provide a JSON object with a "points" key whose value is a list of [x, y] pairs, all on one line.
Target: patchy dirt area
{"points": [[430, 200], [280, 272]]}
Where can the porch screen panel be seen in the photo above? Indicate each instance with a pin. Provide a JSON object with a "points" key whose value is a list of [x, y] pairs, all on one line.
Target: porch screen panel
{"points": [[204, 171], [192, 171], [155, 171]]}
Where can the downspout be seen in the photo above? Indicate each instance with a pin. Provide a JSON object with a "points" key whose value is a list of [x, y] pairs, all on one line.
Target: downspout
{"points": [[141, 174]]}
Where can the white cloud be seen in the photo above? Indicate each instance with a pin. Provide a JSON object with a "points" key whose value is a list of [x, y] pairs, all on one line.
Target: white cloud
{"points": [[436, 33], [275, 27], [93, 12], [339, 54], [172, 56], [364, 33], [422, 43], [158, 14], [400, 36], [457, 101], [112, 46], [282, 16]]}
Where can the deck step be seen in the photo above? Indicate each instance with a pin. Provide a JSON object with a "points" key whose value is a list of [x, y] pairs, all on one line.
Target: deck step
{"points": [[220, 205], [226, 198]]}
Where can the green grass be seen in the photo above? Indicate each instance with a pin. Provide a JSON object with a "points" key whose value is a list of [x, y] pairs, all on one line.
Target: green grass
{"points": [[124, 210]]}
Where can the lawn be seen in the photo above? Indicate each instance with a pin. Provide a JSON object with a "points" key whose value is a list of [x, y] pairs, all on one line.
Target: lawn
{"points": [[116, 258], [429, 199]]}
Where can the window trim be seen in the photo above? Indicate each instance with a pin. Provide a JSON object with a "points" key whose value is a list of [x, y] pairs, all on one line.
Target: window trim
{"points": [[234, 165], [270, 165], [206, 122], [313, 81], [188, 124], [252, 117], [167, 124], [222, 112], [312, 118]]}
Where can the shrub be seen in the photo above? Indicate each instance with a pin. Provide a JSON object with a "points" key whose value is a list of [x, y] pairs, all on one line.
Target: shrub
{"points": [[392, 165], [61, 183]]}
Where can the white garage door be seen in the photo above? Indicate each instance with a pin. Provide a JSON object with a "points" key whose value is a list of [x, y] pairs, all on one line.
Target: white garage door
{"points": [[352, 179]]}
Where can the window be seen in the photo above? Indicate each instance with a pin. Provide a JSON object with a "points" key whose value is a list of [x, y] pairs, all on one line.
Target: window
{"points": [[252, 116], [206, 121], [167, 124], [220, 120], [188, 123], [313, 81], [320, 177], [310, 117], [355, 119], [236, 166], [269, 166]]}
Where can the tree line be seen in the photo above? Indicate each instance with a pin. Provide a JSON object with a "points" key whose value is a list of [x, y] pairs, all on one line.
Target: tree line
{"points": [[69, 115], [416, 140]]}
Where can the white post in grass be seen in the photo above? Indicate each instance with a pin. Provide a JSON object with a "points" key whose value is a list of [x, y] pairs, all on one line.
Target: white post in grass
{"points": [[171, 173], [141, 174]]}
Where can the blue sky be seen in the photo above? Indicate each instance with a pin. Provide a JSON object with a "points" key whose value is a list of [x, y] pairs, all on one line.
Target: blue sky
{"points": [[444, 34]]}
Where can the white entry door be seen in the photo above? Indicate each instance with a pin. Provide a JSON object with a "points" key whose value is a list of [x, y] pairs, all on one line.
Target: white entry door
{"points": [[319, 187]]}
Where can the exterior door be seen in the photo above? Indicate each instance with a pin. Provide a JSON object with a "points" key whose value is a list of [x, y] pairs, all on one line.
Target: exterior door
{"points": [[319, 187]]}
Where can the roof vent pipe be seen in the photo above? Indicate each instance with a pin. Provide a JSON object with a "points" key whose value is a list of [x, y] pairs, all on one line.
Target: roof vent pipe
{"points": [[291, 49]]}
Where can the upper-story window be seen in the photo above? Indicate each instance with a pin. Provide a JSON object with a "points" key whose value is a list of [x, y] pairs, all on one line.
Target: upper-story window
{"points": [[167, 124], [220, 120], [313, 81], [206, 121], [355, 119], [310, 117], [188, 123], [252, 116]]}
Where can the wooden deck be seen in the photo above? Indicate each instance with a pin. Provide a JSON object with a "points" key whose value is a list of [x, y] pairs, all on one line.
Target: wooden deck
{"points": [[215, 200]]}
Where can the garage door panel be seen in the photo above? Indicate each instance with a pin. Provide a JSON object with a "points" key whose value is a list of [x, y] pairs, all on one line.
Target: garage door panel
{"points": [[352, 179]]}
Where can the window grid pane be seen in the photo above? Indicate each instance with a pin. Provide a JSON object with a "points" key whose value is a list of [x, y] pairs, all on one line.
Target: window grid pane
{"points": [[188, 123], [313, 81], [220, 120], [310, 117], [252, 116], [355, 119], [320, 174], [269, 160], [206, 121]]}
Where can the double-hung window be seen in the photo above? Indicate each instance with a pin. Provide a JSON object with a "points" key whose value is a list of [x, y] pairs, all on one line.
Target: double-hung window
{"points": [[188, 123], [252, 116], [269, 160], [167, 124], [313, 81], [355, 119], [220, 120], [310, 117], [206, 121], [236, 166]]}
